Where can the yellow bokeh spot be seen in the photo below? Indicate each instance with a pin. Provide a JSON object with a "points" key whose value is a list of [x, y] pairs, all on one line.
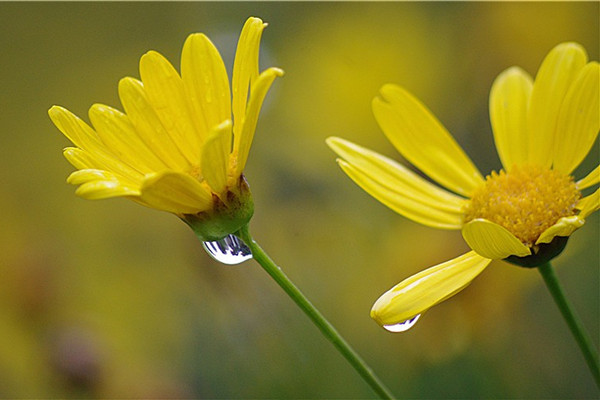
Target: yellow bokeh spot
{"points": [[526, 201]]}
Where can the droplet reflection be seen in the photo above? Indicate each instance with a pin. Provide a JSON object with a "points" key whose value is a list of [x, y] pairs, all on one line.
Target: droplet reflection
{"points": [[230, 250], [403, 326]]}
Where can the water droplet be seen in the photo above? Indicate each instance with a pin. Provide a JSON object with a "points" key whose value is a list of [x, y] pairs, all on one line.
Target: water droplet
{"points": [[404, 325], [230, 250]]}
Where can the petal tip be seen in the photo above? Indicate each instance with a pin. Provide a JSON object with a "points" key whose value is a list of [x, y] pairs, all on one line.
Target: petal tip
{"points": [[375, 316], [56, 111], [570, 46], [334, 142]]}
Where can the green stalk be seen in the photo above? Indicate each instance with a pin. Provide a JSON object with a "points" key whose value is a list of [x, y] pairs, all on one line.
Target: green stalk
{"points": [[575, 325], [315, 316]]}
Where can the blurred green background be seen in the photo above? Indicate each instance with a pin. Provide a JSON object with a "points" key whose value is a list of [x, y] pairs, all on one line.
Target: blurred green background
{"points": [[109, 299]]}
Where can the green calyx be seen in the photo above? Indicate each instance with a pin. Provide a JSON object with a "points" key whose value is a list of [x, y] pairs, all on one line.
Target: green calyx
{"points": [[542, 253], [228, 215]]}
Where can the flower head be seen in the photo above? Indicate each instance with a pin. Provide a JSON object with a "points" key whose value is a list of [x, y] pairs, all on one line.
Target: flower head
{"points": [[525, 213], [182, 143]]}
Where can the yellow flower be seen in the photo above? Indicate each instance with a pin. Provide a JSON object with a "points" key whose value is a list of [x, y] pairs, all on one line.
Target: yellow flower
{"points": [[543, 129], [183, 141]]}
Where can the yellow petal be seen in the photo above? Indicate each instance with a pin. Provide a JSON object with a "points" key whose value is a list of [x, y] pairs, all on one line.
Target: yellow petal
{"points": [[148, 126], [99, 189], [215, 157], [100, 184], [415, 209], [589, 204], [493, 241], [78, 158], [420, 292], [82, 159], [119, 135], [167, 96], [75, 129], [245, 68], [396, 177], [564, 227], [87, 175], [509, 99], [578, 120], [593, 178], [87, 140], [175, 192], [206, 82], [423, 141], [556, 74], [243, 138]]}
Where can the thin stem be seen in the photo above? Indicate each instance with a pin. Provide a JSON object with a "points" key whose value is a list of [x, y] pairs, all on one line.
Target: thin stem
{"points": [[575, 325], [316, 317]]}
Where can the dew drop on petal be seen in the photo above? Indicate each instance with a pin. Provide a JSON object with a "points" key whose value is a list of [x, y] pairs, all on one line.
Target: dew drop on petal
{"points": [[403, 326], [230, 250]]}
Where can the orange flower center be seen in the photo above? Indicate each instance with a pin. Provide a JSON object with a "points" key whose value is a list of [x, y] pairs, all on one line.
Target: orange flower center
{"points": [[526, 201]]}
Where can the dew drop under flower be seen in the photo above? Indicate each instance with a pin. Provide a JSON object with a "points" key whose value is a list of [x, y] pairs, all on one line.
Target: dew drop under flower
{"points": [[524, 214], [182, 143]]}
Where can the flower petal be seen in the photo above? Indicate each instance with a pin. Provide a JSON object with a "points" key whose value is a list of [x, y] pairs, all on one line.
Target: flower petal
{"points": [[99, 189], [493, 241], [579, 120], [215, 157], [589, 204], [175, 192], [82, 159], [100, 184], [87, 175], [420, 292], [423, 141], [556, 74], [245, 68], [564, 227], [119, 135], [147, 124], [593, 178], [243, 138], [167, 96], [509, 99], [396, 177], [415, 209], [206, 82], [77, 131], [84, 137], [78, 158]]}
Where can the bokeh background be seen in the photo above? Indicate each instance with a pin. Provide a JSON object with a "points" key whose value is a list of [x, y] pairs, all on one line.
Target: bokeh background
{"points": [[109, 299]]}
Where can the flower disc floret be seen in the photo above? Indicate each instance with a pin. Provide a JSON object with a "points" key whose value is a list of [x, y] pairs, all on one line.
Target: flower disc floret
{"points": [[526, 201]]}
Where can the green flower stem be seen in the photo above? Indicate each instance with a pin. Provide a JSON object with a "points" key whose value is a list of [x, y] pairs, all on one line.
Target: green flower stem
{"points": [[575, 325], [316, 317]]}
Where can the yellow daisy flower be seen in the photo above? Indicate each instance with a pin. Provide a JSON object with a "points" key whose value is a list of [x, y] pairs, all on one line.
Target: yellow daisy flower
{"points": [[182, 143], [524, 214]]}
